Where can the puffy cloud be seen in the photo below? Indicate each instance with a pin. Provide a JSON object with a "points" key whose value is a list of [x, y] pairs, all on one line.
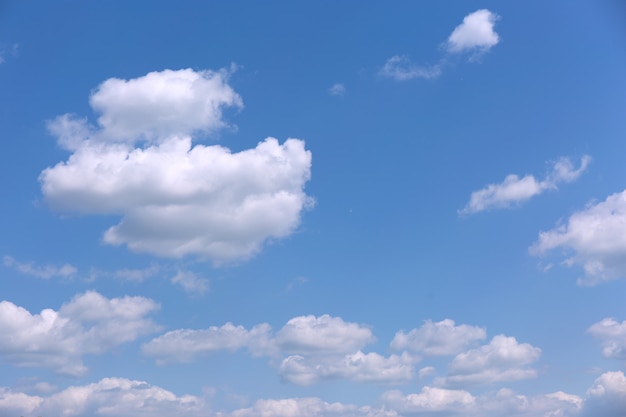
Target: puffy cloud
{"points": [[322, 335], [596, 237], [430, 399], [359, 366], [45, 272], [503, 359], [88, 324], [191, 283], [613, 336], [176, 199], [440, 338], [515, 190], [505, 402], [337, 89], [475, 34], [607, 396], [306, 407], [110, 396], [401, 68]]}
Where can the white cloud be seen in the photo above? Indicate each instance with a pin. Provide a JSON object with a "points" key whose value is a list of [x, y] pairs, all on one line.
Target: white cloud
{"points": [[475, 34], [137, 275], [88, 324], [45, 272], [515, 190], [401, 68], [337, 90], [191, 283], [359, 367], [440, 338], [596, 237], [110, 396], [607, 396], [184, 345], [503, 359], [307, 407], [176, 199], [506, 402], [322, 335], [613, 337], [430, 399]]}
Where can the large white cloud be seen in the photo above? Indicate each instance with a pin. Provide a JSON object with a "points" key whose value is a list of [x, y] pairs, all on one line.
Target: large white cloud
{"points": [[613, 336], [475, 34], [115, 397], [607, 396], [515, 190], [503, 359], [89, 324], [594, 238], [440, 338], [176, 198]]}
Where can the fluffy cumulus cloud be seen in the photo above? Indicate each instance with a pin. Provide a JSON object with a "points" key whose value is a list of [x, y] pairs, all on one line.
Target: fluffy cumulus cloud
{"points": [[515, 190], [613, 336], [607, 396], [440, 338], [89, 324], [593, 238], [176, 198], [109, 397], [430, 400], [503, 359], [475, 34], [184, 345], [44, 272]]}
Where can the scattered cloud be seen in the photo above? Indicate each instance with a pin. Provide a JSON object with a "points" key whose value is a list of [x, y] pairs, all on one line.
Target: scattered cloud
{"points": [[430, 400], [515, 190], [176, 199], [44, 272], [503, 359], [137, 275], [596, 239], [337, 90], [115, 397], [89, 324], [475, 35], [440, 338], [8, 50], [401, 68], [191, 283], [613, 336], [297, 282], [306, 407]]}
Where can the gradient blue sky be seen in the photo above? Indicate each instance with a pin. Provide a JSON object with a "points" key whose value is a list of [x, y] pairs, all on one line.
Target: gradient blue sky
{"points": [[438, 227]]}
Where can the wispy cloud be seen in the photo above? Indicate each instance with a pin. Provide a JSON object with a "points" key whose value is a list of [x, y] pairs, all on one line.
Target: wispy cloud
{"points": [[337, 90], [44, 271], [515, 190], [401, 68]]}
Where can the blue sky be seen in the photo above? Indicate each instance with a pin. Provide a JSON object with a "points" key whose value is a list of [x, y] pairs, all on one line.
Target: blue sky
{"points": [[240, 209]]}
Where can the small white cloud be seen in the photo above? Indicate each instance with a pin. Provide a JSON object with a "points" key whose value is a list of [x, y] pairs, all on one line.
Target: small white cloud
{"points": [[503, 359], [44, 272], [191, 283], [401, 68], [430, 400], [476, 34], [613, 336], [515, 190], [594, 237], [174, 198], [440, 338], [184, 345], [307, 407], [337, 90], [88, 324]]}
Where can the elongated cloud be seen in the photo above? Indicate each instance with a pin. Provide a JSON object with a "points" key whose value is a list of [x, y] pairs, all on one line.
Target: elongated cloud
{"points": [[515, 190], [89, 324], [593, 238], [440, 338], [44, 272], [175, 198]]}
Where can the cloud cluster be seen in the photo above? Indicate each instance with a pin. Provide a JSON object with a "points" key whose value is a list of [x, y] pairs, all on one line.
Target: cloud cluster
{"points": [[613, 336], [89, 324], [176, 198], [595, 237], [475, 36], [515, 190]]}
